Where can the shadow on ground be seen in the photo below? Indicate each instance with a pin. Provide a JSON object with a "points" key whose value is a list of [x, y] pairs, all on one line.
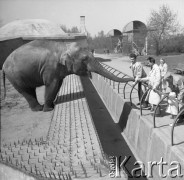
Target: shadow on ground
{"points": [[109, 133], [68, 97]]}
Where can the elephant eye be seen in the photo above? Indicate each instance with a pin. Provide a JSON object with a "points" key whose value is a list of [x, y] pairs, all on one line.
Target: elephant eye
{"points": [[84, 59]]}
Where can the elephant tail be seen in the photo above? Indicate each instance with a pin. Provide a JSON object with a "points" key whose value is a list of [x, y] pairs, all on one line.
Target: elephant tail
{"points": [[4, 85]]}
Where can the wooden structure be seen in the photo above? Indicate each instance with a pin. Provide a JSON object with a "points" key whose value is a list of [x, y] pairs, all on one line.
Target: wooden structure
{"points": [[116, 40], [134, 38]]}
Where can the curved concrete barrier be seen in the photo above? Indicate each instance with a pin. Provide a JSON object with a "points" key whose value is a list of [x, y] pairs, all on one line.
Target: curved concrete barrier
{"points": [[150, 146]]}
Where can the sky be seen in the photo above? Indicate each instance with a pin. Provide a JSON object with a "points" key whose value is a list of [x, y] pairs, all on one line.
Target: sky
{"points": [[99, 14]]}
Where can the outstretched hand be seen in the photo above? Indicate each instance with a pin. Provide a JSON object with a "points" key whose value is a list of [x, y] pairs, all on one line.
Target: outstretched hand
{"points": [[139, 80]]}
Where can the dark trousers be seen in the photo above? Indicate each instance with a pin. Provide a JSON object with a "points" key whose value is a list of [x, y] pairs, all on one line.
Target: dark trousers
{"points": [[140, 91]]}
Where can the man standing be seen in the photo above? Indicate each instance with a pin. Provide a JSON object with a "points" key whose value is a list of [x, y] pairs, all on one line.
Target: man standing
{"points": [[138, 73], [153, 79]]}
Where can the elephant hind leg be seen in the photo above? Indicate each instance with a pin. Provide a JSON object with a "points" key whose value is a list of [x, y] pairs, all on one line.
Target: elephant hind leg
{"points": [[30, 95]]}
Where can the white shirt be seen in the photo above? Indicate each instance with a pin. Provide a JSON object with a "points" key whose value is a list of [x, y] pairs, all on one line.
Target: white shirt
{"points": [[163, 69], [137, 70], [154, 76]]}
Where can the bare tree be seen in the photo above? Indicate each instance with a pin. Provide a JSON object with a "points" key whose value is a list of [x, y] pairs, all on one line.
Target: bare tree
{"points": [[164, 25]]}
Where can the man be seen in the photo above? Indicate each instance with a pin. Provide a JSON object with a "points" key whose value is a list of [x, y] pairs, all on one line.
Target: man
{"points": [[154, 80], [138, 73]]}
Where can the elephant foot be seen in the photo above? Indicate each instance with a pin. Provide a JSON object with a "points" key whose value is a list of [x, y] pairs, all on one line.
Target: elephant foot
{"points": [[48, 108], [37, 108]]}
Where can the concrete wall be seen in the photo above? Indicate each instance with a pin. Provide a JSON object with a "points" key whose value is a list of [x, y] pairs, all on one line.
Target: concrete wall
{"points": [[146, 143]]}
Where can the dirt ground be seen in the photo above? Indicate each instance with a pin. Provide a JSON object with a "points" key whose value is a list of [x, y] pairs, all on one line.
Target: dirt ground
{"points": [[17, 121]]}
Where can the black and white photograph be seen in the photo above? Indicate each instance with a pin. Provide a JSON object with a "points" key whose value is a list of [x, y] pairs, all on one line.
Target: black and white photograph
{"points": [[91, 89]]}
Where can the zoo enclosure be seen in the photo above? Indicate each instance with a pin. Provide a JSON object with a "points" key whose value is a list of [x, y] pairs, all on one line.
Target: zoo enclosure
{"points": [[117, 86]]}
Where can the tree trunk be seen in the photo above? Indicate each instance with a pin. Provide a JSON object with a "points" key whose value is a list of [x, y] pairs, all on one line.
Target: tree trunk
{"points": [[157, 48]]}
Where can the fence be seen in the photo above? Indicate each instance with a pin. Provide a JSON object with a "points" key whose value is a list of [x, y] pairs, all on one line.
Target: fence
{"points": [[133, 87]]}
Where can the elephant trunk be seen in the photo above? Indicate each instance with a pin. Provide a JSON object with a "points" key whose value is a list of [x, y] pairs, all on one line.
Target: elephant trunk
{"points": [[4, 83], [95, 66]]}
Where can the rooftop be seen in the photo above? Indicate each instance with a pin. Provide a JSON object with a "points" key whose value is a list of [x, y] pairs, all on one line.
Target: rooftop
{"points": [[33, 29]]}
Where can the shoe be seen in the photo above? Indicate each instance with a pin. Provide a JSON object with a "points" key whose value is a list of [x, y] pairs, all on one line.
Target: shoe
{"points": [[152, 110], [144, 105], [171, 124]]}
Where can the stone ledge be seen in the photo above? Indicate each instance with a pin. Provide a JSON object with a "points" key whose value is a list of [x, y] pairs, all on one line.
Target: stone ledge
{"points": [[147, 143]]}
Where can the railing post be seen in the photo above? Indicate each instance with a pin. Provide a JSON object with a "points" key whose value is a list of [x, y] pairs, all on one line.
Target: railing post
{"points": [[172, 130], [143, 96], [131, 92], [118, 87], [154, 123]]}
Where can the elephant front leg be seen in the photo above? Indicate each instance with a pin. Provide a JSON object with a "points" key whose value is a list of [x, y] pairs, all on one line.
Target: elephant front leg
{"points": [[51, 91]]}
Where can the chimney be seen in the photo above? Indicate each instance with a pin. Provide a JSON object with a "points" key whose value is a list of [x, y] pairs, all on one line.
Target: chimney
{"points": [[82, 25]]}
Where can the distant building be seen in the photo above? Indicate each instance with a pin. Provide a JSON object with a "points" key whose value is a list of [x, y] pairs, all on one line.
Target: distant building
{"points": [[134, 38], [115, 36], [83, 26]]}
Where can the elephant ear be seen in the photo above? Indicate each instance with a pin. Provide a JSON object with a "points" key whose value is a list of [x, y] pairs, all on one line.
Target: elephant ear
{"points": [[68, 58], [73, 49], [67, 61]]}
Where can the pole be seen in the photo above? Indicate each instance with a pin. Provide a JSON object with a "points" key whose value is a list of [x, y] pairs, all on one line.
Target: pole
{"points": [[146, 45]]}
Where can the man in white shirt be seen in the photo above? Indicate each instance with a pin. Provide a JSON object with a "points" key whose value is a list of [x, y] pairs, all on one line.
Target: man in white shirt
{"points": [[138, 72], [153, 79]]}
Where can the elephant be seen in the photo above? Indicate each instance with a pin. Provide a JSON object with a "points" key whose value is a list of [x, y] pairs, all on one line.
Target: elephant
{"points": [[47, 62]]}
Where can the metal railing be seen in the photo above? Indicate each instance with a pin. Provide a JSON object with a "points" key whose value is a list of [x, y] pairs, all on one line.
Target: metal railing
{"points": [[165, 95], [174, 125], [113, 71]]}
